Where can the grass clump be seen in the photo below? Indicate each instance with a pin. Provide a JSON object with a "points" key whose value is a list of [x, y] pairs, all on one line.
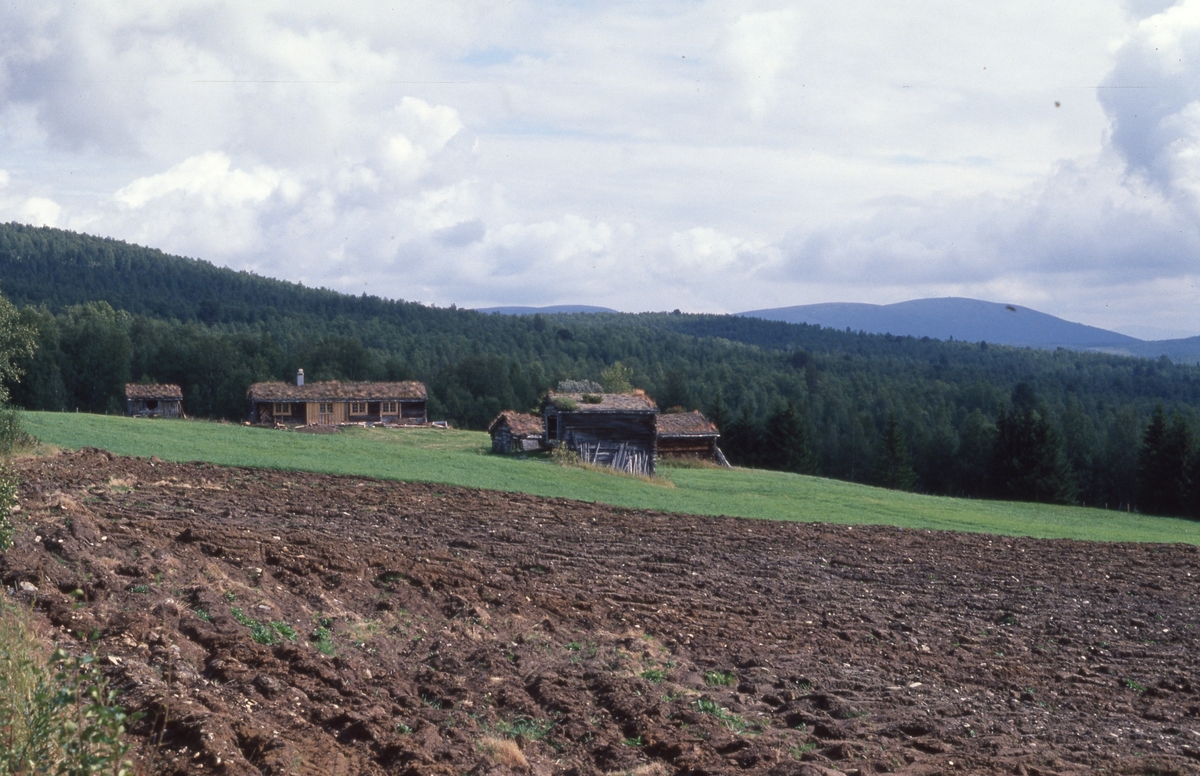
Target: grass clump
{"points": [[503, 751], [261, 633], [798, 751], [529, 728], [57, 714], [720, 678], [322, 639], [284, 630], [654, 675], [727, 718]]}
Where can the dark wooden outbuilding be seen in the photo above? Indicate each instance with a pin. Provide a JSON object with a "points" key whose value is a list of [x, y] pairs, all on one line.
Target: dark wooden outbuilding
{"points": [[517, 432], [689, 435], [153, 401], [333, 402], [607, 429]]}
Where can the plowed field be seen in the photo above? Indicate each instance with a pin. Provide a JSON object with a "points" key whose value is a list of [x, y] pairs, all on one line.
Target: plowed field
{"points": [[272, 622]]}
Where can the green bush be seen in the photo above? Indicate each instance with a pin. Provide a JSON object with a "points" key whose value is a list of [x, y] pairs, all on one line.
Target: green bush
{"points": [[57, 716], [12, 436], [564, 456], [579, 386], [566, 404], [592, 398]]}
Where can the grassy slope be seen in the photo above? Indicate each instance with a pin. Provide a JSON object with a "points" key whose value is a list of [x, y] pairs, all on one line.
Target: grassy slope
{"points": [[462, 458]]}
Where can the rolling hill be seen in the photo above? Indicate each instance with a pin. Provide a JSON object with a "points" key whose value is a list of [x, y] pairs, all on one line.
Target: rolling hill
{"points": [[974, 320]]}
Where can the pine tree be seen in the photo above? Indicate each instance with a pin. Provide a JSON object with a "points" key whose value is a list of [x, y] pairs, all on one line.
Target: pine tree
{"points": [[1028, 463], [893, 463], [975, 453], [1193, 494], [786, 444], [719, 414], [1163, 481], [742, 440]]}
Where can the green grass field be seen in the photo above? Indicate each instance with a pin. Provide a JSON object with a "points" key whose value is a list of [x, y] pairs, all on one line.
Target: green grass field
{"points": [[463, 458]]}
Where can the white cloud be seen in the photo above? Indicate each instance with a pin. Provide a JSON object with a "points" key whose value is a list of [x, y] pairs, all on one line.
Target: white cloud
{"points": [[431, 126], [707, 250], [1153, 98], [207, 178], [639, 156], [40, 211], [760, 46]]}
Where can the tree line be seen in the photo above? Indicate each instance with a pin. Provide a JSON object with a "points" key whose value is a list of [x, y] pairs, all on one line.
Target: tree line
{"points": [[1081, 428], [966, 419]]}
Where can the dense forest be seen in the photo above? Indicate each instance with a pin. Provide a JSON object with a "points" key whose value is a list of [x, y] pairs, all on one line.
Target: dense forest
{"points": [[960, 418]]}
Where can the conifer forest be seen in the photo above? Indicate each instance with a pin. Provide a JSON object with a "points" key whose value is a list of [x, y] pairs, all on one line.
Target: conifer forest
{"points": [[957, 418]]}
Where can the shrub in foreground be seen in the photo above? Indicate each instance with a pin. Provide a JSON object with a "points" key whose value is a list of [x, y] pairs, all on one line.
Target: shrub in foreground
{"points": [[57, 715]]}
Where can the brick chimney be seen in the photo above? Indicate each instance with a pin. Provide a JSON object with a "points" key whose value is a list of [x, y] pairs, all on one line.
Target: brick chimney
{"points": [[299, 378]]}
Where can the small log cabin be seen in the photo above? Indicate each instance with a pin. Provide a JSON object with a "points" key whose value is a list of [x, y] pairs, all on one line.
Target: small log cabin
{"points": [[333, 402], [689, 435], [153, 401], [607, 429], [517, 432]]}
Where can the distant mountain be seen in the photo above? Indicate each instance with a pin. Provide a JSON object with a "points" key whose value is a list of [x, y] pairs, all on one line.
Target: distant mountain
{"points": [[557, 308], [1182, 351], [953, 317]]}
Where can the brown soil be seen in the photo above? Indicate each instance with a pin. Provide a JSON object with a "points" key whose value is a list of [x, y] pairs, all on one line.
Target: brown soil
{"points": [[482, 632]]}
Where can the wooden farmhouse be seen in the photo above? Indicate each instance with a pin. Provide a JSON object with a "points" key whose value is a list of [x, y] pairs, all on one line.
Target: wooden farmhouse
{"points": [[153, 401], [333, 402], [607, 429], [516, 432], [689, 435]]}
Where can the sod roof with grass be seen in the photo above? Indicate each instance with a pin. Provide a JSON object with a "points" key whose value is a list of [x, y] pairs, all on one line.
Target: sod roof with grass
{"points": [[334, 390], [636, 401], [686, 424], [520, 424], [163, 392]]}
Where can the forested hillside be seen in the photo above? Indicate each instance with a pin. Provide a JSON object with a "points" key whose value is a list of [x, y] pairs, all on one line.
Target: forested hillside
{"points": [[942, 417]]}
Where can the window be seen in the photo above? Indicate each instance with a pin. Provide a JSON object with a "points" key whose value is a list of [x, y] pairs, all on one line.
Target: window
{"points": [[358, 408], [389, 408], [283, 409], [326, 408]]}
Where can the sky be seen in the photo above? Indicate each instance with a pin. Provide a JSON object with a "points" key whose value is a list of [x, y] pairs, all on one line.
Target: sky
{"points": [[649, 155]]}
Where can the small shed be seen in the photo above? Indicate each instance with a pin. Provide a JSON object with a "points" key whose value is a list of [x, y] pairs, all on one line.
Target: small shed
{"points": [[607, 429], [689, 435], [153, 401], [332, 402], [516, 432]]}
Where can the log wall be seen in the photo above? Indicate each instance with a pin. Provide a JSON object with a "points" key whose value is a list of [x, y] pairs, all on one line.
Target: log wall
{"points": [[163, 408], [627, 441]]}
